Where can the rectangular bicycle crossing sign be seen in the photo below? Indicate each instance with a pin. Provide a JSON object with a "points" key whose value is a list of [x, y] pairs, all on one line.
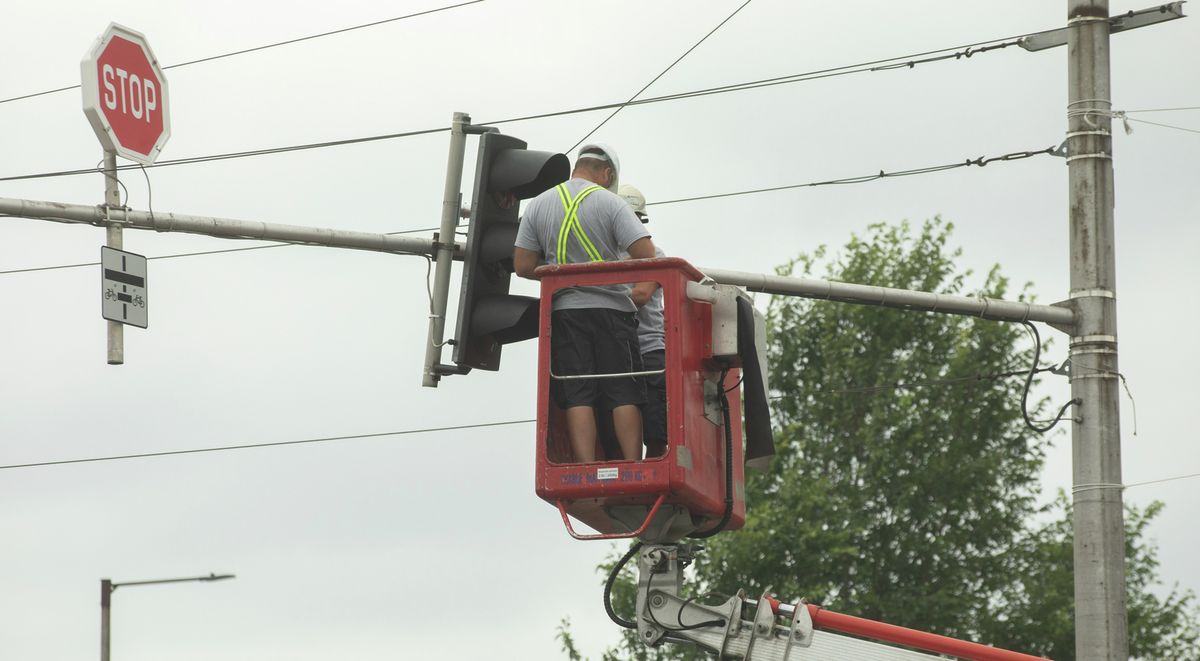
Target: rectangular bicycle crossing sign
{"points": [[123, 287]]}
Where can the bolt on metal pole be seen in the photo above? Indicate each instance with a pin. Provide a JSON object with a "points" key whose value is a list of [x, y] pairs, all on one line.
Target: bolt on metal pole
{"points": [[444, 249], [1100, 612], [105, 609], [112, 200]]}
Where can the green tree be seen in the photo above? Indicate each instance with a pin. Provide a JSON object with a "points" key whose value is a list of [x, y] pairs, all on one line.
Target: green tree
{"points": [[1036, 609], [905, 482]]}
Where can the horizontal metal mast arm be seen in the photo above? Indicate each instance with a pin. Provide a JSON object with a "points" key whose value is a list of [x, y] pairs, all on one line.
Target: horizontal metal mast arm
{"points": [[1118, 23], [984, 308], [218, 227]]}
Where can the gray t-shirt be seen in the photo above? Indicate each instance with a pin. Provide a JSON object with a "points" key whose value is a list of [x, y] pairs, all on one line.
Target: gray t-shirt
{"points": [[608, 224], [650, 318]]}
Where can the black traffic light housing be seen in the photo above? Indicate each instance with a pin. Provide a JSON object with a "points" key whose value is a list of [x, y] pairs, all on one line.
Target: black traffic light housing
{"points": [[488, 316]]}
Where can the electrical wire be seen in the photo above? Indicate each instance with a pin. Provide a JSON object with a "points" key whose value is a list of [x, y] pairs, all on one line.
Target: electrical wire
{"points": [[1166, 126], [1099, 486], [1124, 384], [263, 47], [1037, 355], [1164, 109], [980, 162], [931, 382], [100, 168], [326, 439], [149, 193], [965, 52], [1162, 480], [608, 585], [232, 155], [660, 75]]}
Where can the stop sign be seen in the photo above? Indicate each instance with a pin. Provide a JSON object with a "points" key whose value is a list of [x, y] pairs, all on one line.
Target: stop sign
{"points": [[125, 95]]}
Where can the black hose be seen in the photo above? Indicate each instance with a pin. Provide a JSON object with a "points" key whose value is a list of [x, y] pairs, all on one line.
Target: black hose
{"points": [[608, 586]]}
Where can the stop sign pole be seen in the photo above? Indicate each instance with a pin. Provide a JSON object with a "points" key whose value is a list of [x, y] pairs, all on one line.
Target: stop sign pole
{"points": [[126, 100]]}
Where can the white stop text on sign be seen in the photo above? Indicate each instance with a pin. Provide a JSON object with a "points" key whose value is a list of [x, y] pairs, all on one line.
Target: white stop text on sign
{"points": [[130, 93]]}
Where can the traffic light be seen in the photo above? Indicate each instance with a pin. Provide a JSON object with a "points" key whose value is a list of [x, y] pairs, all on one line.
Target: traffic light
{"points": [[488, 316]]}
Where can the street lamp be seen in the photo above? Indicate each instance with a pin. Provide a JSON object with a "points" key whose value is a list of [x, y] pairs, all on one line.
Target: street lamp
{"points": [[107, 587]]}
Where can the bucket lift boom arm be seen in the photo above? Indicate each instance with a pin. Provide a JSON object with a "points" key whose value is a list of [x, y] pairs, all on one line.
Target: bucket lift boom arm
{"points": [[766, 629]]}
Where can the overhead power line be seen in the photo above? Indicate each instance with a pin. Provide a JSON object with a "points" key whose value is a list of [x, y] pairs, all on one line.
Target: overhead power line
{"points": [[903, 61], [1166, 126], [911, 385], [1163, 480], [223, 448], [1164, 109], [660, 75], [232, 155], [428, 430], [264, 47], [981, 161]]}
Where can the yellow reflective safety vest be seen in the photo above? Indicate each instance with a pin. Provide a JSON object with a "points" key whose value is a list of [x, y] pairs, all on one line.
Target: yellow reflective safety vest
{"points": [[571, 226]]}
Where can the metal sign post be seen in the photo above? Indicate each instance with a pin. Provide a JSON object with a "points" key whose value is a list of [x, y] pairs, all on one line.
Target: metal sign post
{"points": [[125, 99], [115, 241]]}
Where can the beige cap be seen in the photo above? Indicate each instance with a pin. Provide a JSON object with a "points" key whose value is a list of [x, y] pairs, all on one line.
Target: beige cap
{"points": [[636, 201]]}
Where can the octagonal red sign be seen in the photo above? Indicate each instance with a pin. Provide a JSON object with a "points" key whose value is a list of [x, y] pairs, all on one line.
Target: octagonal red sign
{"points": [[125, 95]]}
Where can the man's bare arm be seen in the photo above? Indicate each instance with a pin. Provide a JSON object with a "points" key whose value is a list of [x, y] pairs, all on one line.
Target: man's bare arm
{"points": [[642, 292], [524, 262], [643, 248]]}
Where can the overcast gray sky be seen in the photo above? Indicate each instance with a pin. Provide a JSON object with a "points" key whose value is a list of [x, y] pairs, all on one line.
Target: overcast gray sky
{"points": [[434, 545]]}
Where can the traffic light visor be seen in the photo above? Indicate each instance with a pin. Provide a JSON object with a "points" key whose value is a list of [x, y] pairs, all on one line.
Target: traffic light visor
{"points": [[526, 173]]}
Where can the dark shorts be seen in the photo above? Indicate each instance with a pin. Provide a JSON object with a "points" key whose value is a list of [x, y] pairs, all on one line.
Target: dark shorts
{"points": [[654, 414], [595, 341]]}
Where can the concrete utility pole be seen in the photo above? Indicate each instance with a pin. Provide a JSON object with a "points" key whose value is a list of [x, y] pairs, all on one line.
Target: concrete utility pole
{"points": [[1100, 617]]}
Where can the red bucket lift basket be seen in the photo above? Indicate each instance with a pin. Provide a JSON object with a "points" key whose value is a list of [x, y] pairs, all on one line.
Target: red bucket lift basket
{"points": [[659, 498]]}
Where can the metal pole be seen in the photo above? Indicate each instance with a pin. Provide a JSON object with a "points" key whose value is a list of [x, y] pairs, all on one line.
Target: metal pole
{"points": [[227, 228], [107, 587], [1100, 616], [112, 200], [904, 299], [451, 207], [106, 590]]}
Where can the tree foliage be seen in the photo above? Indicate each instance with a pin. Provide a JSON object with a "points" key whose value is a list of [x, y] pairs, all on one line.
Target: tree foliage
{"points": [[878, 487], [905, 483], [1035, 613]]}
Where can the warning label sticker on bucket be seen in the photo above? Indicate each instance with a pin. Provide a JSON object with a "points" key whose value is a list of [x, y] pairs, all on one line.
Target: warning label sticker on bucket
{"points": [[607, 473]]}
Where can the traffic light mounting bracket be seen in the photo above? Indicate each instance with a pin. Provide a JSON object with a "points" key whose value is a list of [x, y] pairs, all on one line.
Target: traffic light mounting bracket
{"points": [[488, 316]]}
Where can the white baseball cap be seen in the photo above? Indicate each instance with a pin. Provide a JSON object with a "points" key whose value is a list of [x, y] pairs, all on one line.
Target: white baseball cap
{"points": [[636, 201], [602, 151]]}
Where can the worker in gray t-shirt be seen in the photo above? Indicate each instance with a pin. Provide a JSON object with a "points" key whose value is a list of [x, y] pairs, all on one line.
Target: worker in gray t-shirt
{"points": [[651, 341], [593, 329]]}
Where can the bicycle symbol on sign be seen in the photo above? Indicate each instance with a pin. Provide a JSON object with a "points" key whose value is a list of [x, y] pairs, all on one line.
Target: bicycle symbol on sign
{"points": [[136, 301]]}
